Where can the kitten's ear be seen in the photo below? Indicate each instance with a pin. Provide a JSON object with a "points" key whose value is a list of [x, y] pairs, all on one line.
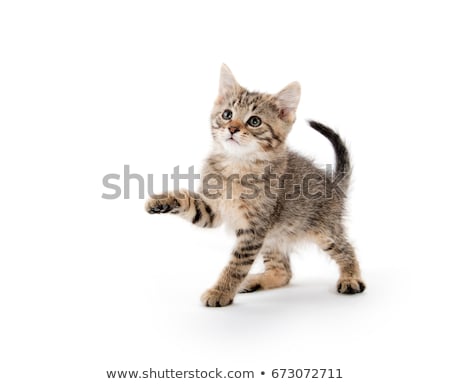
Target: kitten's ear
{"points": [[227, 83], [288, 99]]}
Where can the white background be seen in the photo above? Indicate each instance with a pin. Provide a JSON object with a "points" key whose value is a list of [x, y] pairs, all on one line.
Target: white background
{"points": [[89, 285]]}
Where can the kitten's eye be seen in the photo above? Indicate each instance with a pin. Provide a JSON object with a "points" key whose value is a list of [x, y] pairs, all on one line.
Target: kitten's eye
{"points": [[254, 121], [227, 114]]}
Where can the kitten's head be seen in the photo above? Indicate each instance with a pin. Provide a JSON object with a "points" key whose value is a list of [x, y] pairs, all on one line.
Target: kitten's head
{"points": [[245, 123]]}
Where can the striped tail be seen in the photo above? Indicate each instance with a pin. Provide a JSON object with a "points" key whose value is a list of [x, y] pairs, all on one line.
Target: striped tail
{"points": [[343, 166]]}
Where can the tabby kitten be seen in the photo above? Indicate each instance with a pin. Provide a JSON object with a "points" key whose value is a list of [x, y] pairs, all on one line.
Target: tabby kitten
{"points": [[269, 195]]}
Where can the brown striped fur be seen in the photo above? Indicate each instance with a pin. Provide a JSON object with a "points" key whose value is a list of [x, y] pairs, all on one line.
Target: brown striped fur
{"points": [[269, 224]]}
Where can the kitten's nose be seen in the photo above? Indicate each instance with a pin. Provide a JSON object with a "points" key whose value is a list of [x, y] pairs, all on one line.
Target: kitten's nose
{"points": [[233, 129]]}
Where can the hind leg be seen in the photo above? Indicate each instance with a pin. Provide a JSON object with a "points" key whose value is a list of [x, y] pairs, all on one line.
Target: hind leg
{"points": [[341, 251], [277, 272]]}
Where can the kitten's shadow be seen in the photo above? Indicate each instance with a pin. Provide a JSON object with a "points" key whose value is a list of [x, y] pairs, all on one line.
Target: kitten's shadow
{"points": [[312, 291], [298, 298], [306, 297], [307, 305]]}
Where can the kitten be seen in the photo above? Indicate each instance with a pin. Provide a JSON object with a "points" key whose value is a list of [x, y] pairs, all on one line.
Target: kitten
{"points": [[269, 195]]}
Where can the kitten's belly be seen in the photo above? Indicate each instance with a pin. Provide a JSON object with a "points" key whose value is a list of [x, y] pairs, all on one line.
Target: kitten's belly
{"points": [[284, 238]]}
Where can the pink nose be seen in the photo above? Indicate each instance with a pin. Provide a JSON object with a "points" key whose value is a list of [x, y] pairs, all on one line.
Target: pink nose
{"points": [[233, 129]]}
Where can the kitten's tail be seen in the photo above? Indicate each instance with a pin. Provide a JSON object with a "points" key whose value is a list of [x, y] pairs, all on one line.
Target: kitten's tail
{"points": [[343, 167]]}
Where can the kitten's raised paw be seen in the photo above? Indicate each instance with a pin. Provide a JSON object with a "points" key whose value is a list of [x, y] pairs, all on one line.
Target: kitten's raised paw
{"points": [[215, 298], [163, 205], [350, 286]]}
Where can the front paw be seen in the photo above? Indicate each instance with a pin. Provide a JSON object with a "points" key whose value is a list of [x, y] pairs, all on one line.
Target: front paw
{"points": [[215, 298], [163, 205], [350, 286]]}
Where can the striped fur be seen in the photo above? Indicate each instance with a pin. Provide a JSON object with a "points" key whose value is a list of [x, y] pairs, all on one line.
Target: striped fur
{"points": [[187, 205], [249, 130]]}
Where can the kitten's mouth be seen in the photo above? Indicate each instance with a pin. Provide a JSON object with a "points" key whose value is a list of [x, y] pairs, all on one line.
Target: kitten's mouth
{"points": [[232, 140]]}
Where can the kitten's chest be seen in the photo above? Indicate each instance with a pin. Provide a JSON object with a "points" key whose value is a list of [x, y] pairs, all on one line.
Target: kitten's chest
{"points": [[235, 192], [237, 204], [231, 186]]}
